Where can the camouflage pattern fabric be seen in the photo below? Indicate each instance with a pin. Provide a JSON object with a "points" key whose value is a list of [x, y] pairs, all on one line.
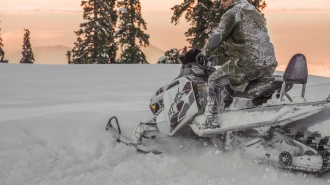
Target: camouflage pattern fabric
{"points": [[215, 91], [243, 32]]}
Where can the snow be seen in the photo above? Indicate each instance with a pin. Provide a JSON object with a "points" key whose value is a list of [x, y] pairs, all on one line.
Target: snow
{"points": [[52, 131], [122, 10]]}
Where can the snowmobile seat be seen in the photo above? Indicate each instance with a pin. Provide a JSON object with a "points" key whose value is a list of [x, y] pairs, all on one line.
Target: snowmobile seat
{"points": [[260, 88], [295, 73], [258, 91]]}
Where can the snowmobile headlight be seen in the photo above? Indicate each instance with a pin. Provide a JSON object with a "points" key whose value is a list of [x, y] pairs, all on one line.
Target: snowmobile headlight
{"points": [[153, 108]]}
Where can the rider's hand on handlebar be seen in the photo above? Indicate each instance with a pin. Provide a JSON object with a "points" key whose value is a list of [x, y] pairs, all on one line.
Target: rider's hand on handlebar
{"points": [[200, 58]]}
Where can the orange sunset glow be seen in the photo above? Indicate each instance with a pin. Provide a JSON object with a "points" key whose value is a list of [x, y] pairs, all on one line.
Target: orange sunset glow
{"points": [[295, 26]]}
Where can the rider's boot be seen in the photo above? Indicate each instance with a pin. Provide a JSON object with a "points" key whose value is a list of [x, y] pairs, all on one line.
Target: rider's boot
{"points": [[214, 106]]}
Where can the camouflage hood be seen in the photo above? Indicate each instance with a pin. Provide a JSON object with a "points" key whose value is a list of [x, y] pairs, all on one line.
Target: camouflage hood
{"points": [[243, 32]]}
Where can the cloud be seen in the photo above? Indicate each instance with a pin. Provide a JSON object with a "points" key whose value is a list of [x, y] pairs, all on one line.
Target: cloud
{"points": [[292, 5], [14, 38], [41, 7], [73, 6], [13, 35], [48, 35], [165, 6], [42, 34]]}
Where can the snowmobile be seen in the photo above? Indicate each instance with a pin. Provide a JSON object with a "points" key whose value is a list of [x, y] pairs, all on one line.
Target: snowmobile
{"points": [[254, 122]]}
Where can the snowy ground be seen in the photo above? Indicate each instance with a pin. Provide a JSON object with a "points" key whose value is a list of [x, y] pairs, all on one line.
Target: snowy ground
{"points": [[52, 131]]}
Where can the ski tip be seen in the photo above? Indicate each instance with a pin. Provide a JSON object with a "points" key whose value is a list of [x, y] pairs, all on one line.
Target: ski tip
{"points": [[156, 152], [109, 125], [146, 150]]}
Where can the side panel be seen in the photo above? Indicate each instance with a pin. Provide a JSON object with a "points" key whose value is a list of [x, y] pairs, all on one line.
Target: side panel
{"points": [[179, 106]]}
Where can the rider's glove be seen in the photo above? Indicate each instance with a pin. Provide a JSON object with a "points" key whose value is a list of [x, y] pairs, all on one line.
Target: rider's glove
{"points": [[199, 58]]}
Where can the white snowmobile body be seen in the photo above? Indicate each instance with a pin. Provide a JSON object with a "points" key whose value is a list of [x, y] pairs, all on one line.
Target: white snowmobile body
{"points": [[178, 105]]}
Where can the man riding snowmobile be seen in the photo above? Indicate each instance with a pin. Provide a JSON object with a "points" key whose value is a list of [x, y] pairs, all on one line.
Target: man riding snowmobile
{"points": [[259, 114], [243, 32]]}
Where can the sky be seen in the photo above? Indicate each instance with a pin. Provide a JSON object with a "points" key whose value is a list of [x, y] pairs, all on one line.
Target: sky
{"points": [[294, 25]]}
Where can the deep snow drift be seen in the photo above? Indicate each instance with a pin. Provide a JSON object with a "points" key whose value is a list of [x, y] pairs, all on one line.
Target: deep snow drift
{"points": [[52, 131]]}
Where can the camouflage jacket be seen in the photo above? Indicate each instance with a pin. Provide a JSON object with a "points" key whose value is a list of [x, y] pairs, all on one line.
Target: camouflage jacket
{"points": [[243, 31]]}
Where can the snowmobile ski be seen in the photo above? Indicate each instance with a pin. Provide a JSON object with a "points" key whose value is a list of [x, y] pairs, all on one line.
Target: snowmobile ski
{"points": [[122, 139]]}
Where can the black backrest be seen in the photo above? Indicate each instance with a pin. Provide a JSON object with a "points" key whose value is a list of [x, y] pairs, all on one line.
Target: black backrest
{"points": [[296, 72]]}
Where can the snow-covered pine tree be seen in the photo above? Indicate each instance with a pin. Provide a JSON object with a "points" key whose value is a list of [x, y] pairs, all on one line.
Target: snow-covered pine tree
{"points": [[259, 4], [27, 53], [68, 56], [2, 53], [197, 13], [131, 30], [172, 55], [95, 43]]}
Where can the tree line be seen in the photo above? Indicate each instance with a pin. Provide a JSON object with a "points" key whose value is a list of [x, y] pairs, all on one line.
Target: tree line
{"points": [[114, 27], [27, 54], [2, 53]]}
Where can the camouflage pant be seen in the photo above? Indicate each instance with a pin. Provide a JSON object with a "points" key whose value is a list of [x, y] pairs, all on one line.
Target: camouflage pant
{"points": [[216, 91], [220, 78], [229, 69], [223, 71]]}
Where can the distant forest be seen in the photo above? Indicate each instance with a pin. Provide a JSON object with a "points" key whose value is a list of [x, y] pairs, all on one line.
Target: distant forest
{"points": [[56, 54]]}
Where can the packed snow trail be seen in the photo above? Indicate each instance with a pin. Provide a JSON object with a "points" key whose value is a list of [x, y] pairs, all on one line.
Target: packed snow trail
{"points": [[52, 131]]}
